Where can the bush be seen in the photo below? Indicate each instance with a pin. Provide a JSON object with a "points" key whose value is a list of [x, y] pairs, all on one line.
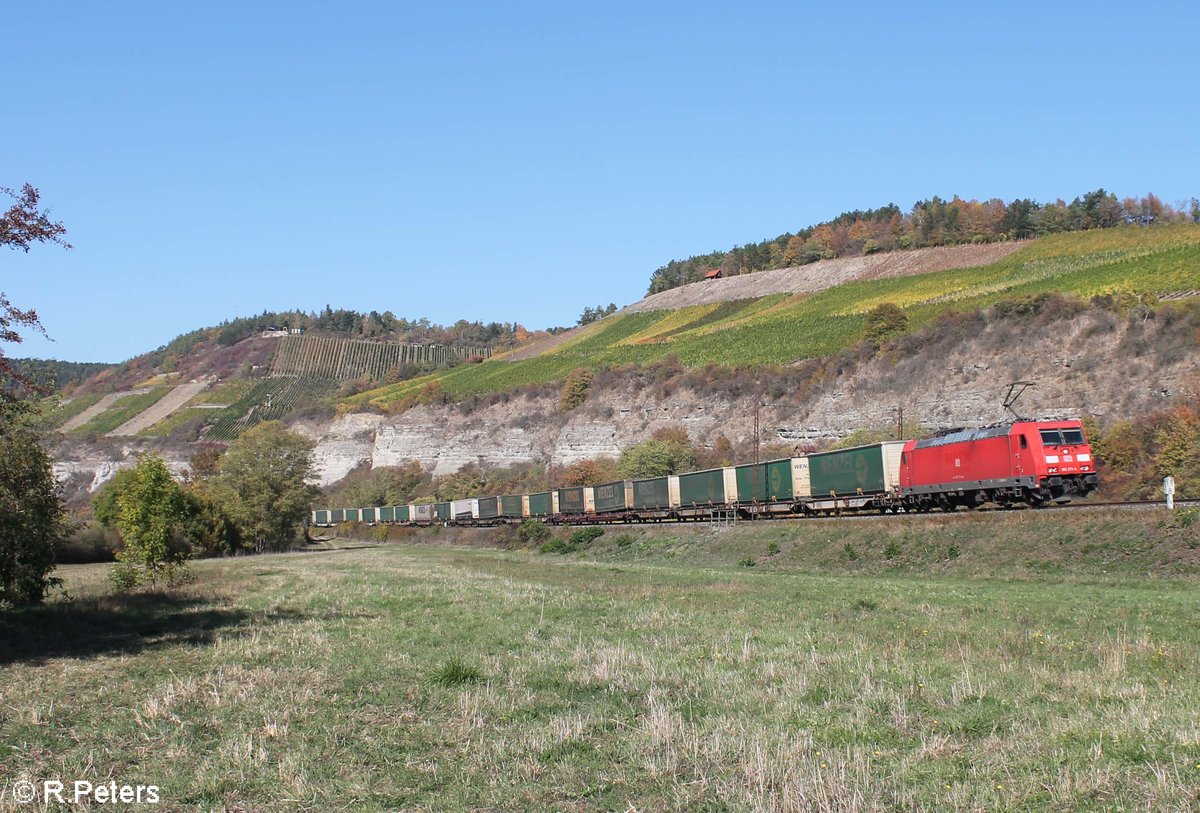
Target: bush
{"points": [[580, 539], [575, 389], [773, 549], [557, 546], [849, 552], [586, 536], [892, 550], [747, 562], [533, 532], [88, 545], [123, 576], [624, 540]]}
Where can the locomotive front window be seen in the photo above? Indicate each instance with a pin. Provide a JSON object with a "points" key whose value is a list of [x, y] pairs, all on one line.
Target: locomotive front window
{"points": [[1073, 437], [1051, 437]]}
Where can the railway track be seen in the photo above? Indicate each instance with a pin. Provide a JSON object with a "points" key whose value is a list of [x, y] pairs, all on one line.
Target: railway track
{"points": [[859, 516]]}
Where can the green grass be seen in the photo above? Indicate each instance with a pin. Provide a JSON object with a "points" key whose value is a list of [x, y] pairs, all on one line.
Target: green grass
{"points": [[55, 413], [782, 329], [122, 410], [653, 675]]}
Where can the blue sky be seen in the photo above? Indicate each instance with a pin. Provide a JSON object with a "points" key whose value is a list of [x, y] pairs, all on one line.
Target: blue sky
{"points": [[520, 161]]}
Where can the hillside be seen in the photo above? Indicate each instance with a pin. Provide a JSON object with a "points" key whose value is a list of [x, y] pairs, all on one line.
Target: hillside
{"points": [[703, 367], [824, 274], [932, 222], [785, 328]]}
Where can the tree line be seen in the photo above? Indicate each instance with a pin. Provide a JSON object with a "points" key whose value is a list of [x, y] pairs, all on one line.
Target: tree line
{"points": [[252, 497], [932, 222]]}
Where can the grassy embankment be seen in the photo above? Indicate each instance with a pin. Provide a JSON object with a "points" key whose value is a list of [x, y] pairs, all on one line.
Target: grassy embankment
{"points": [[782, 328], [650, 671]]}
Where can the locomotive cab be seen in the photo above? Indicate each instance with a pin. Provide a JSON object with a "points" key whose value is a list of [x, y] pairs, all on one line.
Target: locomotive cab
{"points": [[1058, 455]]}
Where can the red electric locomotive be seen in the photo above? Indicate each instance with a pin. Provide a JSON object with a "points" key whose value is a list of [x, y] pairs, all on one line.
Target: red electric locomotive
{"points": [[1032, 462]]}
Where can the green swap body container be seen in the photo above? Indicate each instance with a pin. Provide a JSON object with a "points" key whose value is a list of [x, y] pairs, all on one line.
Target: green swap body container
{"points": [[352, 514], [320, 517], [489, 507], [612, 497], [387, 513], [367, 514], [651, 493], [540, 504], [766, 482], [441, 510], [571, 501], [702, 487], [337, 515], [509, 506], [860, 470], [401, 513]]}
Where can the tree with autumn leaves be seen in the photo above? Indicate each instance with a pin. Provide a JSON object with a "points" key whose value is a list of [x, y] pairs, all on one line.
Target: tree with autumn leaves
{"points": [[32, 513], [932, 222]]}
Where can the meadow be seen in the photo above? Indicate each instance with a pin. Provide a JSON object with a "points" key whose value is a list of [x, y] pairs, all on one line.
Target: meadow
{"points": [[781, 329], [753, 668]]}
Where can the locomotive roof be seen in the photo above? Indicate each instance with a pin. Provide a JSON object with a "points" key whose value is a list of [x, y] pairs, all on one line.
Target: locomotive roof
{"points": [[964, 435]]}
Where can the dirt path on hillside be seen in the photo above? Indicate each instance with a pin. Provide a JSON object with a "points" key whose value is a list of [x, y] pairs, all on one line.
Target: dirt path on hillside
{"points": [[827, 274], [541, 346], [94, 410], [162, 408]]}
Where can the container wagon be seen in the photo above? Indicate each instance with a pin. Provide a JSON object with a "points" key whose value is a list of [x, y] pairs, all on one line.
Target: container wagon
{"points": [[652, 498], [540, 504], [464, 510], [861, 477], [613, 498], [700, 492], [765, 488]]}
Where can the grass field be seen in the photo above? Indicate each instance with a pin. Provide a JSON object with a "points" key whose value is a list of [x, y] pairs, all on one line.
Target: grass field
{"points": [[781, 329], [654, 671]]}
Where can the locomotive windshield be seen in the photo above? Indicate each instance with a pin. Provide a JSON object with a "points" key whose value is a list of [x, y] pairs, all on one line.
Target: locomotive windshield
{"points": [[1062, 437]]}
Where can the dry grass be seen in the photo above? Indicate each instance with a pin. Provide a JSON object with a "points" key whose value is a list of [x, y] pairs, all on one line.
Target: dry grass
{"points": [[312, 682]]}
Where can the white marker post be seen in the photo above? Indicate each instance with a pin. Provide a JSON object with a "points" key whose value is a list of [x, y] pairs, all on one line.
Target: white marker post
{"points": [[1169, 490]]}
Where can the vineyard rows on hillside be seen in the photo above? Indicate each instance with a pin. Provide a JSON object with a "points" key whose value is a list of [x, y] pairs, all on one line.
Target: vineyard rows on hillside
{"points": [[269, 399], [346, 359], [784, 328]]}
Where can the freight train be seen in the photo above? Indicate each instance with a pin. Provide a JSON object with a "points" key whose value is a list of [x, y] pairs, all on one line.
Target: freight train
{"points": [[1031, 463]]}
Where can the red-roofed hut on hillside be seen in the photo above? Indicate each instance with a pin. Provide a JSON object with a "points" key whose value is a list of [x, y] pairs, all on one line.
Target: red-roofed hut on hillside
{"points": [[714, 274]]}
